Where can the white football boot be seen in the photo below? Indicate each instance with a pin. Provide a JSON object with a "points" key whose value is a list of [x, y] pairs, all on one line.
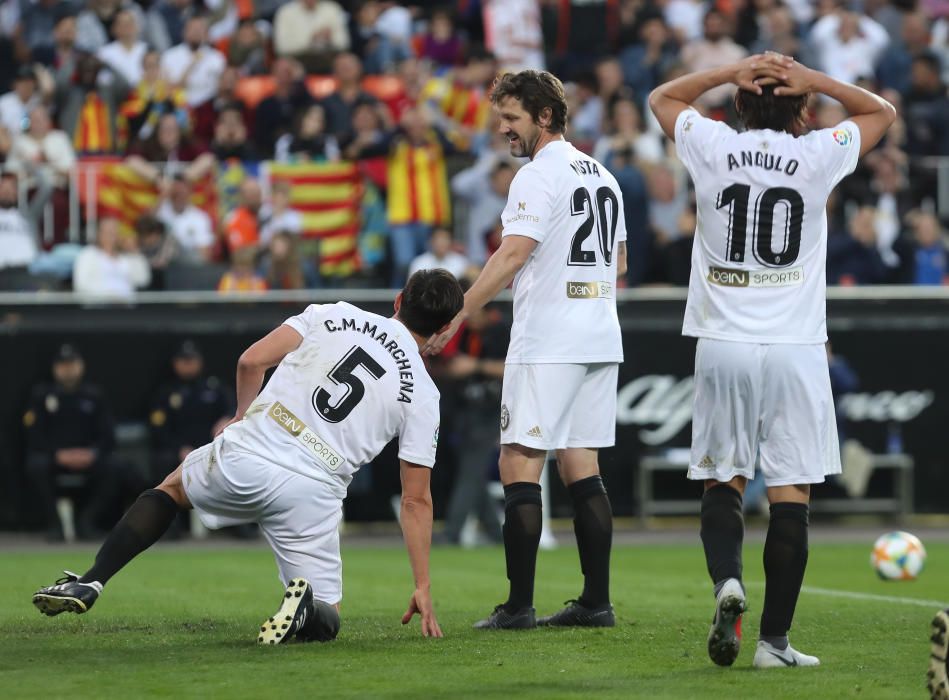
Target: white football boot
{"points": [[768, 656], [724, 637]]}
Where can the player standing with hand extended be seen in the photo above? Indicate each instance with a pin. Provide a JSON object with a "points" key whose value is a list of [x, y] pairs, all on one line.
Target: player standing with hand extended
{"points": [[564, 246], [757, 304], [347, 382]]}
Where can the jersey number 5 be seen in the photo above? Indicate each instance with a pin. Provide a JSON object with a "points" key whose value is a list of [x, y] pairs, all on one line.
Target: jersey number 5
{"points": [[737, 197], [342, 373], [604, 215]]}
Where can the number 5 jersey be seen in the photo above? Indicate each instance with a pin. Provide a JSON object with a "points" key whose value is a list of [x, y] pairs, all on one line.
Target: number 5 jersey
{"points": [[760, 248], [565, 295], [356, 382]]}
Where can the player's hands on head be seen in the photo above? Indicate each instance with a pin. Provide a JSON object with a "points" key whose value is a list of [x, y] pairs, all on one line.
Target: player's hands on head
{"points": [[421, 603], [749, 71], [799, 81]]}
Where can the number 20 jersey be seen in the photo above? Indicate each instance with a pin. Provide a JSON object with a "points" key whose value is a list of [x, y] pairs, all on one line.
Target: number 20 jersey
{"points": [[355, 382], [760, 249], [565, 295]]}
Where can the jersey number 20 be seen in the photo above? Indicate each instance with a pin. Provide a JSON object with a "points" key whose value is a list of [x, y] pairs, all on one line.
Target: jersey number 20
{"points": [[342, 373], [605, 219], [737, 197]]}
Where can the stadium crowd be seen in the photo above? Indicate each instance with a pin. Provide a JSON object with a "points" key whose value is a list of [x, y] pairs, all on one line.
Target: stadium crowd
{"points": [[246, 145]]}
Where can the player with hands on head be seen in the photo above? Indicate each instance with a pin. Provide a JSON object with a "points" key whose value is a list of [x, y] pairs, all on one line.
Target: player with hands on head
{"points": [[346, 383], [563, 245], [757, 304]]}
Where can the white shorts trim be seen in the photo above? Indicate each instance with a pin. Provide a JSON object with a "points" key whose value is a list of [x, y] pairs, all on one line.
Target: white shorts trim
{"points": [[768, 406], [556, 406], [299, 516]]}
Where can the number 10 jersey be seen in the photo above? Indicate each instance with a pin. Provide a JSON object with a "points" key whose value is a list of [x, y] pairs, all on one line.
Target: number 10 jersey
{"points": [[760, 248], [355, 382], [565, 295]]}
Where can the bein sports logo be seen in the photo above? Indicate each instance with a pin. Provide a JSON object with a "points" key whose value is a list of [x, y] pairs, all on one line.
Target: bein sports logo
{"points": [[662, 404]]}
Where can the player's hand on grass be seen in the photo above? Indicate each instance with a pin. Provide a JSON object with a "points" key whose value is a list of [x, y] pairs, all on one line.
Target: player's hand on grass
{"points": [[421, 603], [750, 70]]}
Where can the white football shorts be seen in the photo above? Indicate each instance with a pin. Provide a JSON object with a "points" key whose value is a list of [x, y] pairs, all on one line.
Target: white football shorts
{"points": [[772, 402], [554, 406], [298, 515]]}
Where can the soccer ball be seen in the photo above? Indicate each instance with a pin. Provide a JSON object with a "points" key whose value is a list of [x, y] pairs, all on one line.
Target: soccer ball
{"points": [[898, 556]]}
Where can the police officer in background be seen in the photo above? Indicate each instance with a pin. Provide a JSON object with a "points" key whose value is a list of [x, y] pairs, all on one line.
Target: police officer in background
{"points": [[70, 437], [188, 411]]}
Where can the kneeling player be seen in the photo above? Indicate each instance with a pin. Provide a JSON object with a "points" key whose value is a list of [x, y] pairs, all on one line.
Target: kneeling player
{"points": [[348, 381]]}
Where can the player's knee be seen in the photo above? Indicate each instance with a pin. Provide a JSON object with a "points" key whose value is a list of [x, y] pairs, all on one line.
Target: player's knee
{"points": [[738, 483], [324, 625], [173, 487]]}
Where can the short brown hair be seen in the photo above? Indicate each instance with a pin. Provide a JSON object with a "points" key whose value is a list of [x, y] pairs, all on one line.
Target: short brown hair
{"points": [[536, 90], [769, 111], [430, 299]]}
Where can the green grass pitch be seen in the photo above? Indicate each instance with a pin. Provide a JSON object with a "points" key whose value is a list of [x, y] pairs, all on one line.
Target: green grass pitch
{"points": [[183, 623]]}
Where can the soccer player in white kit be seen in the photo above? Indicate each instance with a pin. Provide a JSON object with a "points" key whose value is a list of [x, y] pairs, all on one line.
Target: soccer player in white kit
{"points": [[564, 246], [347, 382], [756, 304]]}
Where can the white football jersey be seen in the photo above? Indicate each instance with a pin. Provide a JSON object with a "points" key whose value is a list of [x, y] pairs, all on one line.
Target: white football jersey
{"points": [[760, 249], [356, 381], [565, 295]]}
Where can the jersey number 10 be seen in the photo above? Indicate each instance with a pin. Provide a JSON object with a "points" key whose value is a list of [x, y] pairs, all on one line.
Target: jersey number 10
{"points": [[604, 215], [737, 196]]}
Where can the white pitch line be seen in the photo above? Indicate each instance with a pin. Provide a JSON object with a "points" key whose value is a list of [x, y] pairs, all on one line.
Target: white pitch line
{"points": [[874, 597]]}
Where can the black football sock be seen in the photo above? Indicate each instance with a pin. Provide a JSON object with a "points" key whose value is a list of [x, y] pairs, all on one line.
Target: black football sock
{"points": [[593, 526], [522, 523], [723, 531], [141, 526], [785, 558]]}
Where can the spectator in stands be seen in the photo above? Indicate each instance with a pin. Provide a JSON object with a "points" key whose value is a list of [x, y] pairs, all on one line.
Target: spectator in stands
{"points": [[848, 45], [309, 141], [275, 114], [70, 435], [113, 266], [61, 56], [442, 44], [581, 32], [675, 256], [339, 106], [188, 411], [668, 198], [780, 33], [193, 64], [625, 132], [440, 255], [37, 22], [149, 100], [188, 225], [610, 82], [278, 215], [43, 158], [892, 199], [926, 107], [168, 152], [241, 276], [685, 17], [247, 50], [367, 132], [18, 246], [283, 267], [230, 137], [853, 258], [645, 62], [88, 110], [204, 118], [242, 226], [459, 98], [895, 67], [310, 31], [159, 248], [586, 109], [98, 21], [639, 237], [124, 55], [416, 165], [513, 33], [394, 26], [484, 188], [716, 48], [171, 16], [930, 249], [15, 106]]}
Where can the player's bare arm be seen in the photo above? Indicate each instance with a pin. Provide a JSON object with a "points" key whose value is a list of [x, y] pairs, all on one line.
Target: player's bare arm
{"points": [[621, 260], [256, 360], [671, 98], [416, 518], [496, 275], [871, 113]]}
